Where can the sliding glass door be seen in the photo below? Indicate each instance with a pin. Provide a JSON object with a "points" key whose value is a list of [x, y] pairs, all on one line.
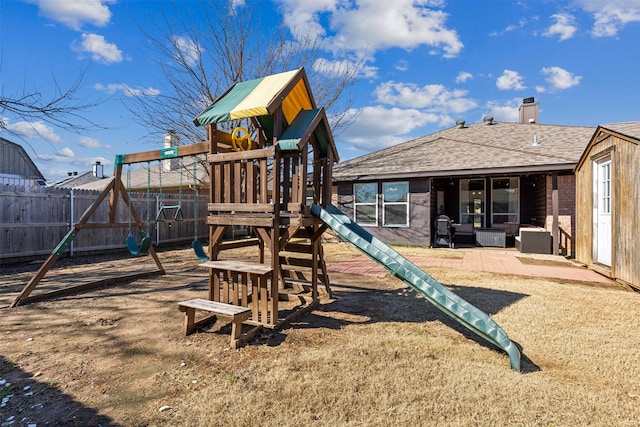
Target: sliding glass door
{"points": [[505, 200], [472, 202]]}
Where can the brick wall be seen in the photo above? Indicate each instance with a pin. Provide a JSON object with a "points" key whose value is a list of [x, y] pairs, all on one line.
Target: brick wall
{"points": [[566, 211]]}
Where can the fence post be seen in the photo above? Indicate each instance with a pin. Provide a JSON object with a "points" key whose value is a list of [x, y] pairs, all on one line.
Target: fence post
{"points": [[155, 223], [71, 219]]}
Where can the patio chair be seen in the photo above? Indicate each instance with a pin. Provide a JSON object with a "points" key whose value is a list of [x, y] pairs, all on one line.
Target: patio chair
{"points": [[443, 235]]}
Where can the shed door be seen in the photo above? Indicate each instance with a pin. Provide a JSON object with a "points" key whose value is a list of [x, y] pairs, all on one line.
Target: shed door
{"points": [[602, 211]]}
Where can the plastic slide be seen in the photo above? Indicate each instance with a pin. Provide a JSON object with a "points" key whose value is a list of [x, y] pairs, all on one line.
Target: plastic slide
{"points": [[433, 291]]}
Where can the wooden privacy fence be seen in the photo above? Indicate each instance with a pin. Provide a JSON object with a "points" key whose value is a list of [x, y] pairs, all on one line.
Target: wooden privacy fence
{"points": [[34, 219]]}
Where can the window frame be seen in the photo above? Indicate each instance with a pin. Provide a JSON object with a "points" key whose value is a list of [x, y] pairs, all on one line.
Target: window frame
{"points": [[405, 203], [356, 204]]}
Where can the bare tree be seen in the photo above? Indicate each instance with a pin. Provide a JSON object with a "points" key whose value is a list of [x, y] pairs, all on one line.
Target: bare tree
{"points": [[62, 109], [201, 56]]}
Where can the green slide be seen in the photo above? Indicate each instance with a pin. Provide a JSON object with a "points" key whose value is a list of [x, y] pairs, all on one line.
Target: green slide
{"points": [[433, 291]]}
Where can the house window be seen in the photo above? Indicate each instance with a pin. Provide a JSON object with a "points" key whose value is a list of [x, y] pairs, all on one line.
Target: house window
{"points": [[366, 203], [472, 196], [505, 200], [395, 204]]}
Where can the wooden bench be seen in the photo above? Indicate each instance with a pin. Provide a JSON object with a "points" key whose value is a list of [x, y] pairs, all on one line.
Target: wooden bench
{"points": [[236, 313]]}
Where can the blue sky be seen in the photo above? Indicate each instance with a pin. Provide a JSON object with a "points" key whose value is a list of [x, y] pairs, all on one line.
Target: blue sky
{"points": [[427, 63]]}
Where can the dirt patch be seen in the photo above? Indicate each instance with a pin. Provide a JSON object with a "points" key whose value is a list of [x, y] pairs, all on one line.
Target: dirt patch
{"points": [[375, 354]]}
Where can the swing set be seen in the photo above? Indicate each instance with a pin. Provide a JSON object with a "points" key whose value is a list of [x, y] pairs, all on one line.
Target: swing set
{"points": [[138, 241]]}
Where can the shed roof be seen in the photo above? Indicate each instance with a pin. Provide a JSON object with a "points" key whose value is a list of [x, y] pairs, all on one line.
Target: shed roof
{"points": [[14, 160], [627, 130], [475, 149]]}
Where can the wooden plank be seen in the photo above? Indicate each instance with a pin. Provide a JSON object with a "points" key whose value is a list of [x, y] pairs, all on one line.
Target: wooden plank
{"points": [[218, 183], [285, 165], [298, 247], [237, 183], [240, 207], [252, 184], [244, 293], [235, 244], [227, 172], [263, 196], [96, 226], [261, 153], [218, 308], [264, 300], [236, 288], [251, 221], [183, 151], [296, 262], [295, 180], [240, 266], [225, 286], [255, 293]]}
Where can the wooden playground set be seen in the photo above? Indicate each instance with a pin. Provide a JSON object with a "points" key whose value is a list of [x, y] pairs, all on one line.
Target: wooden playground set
{"points": [[264, 174], [269, 154]]}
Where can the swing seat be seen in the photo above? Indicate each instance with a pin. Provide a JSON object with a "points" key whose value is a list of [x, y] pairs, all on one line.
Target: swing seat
{"points": [[145, 244], [199, 250], [162, 215]]}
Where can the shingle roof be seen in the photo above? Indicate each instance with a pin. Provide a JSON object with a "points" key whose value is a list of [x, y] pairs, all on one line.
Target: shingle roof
{"points": [[139, 179], [476, 148], [631, 129], [74, 181]]}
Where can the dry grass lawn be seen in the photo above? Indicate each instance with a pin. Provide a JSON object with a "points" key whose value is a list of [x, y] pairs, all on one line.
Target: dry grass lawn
{"points": [[376, 355]]}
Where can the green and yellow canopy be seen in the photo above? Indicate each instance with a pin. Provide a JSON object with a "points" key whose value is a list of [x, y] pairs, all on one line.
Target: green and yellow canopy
{"points": [[261, 97]]}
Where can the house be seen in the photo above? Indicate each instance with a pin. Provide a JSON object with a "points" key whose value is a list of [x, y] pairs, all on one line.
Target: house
{"points": [[75, 179], [167, 176], [607, 202], [492, 174], [16, 167]]}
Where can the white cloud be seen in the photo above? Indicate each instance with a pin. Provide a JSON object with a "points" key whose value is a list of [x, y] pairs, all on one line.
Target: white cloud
{"points": [[463, 76], [75, 13], [401, 65], [379, 127], [66, 152], [611, 16], [88, 142], [189, 50], [510, 80], [564, 26], [371, 25], [522, 22], [507, 111], [435, 98], [327, 67], [112, 88], [32, 130], [99, 48], [560, 78]]}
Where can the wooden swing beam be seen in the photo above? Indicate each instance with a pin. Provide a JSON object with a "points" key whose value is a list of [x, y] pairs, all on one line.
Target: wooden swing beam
{"points": [[115, 190]]}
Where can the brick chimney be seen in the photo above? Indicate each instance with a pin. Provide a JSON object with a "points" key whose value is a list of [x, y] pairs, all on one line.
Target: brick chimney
{"points": [[98, 170], [529, 111], [171, 139]]}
